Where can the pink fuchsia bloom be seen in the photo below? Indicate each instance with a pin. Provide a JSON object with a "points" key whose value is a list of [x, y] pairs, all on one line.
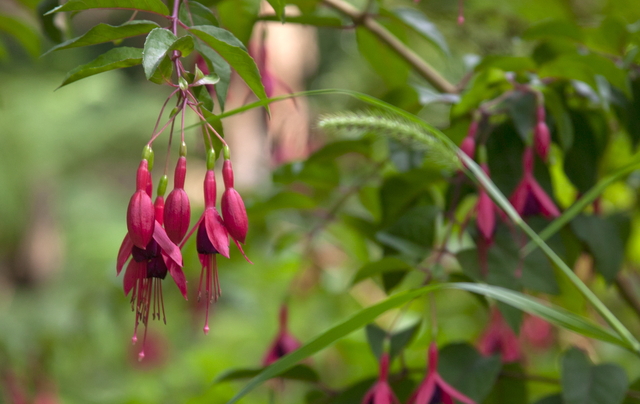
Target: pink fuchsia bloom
{"points": [[146, 270], [177, 212], [486, 209], [284, 343], [529, 198], [433, 389], [541, 135], [536, 332], [233, 211], [499, 338], [140, 213], [212, 239], [381, 392], [460, 12]]}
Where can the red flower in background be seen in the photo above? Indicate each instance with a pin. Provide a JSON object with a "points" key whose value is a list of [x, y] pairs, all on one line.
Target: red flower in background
{"points": [[499, 338], [381, 392], [433, 389], [529, 198], [486, 209], [541, 135], [284, 343]]}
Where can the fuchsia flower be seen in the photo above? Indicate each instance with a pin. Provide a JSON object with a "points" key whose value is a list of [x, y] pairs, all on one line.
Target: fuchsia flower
{"points": [[486, 209], [541, 135], [140, 213], [537, 332], [233, 211], [499, 338], [177, 212], [381, 392], [212, 239], [529, 198], [284, 343], [148, 266], [433, 389], [468, 145]]}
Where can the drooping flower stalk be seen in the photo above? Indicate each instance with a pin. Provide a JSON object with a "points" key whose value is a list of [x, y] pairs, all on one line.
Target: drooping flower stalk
{"points": [[381, 392], [284, 343]]}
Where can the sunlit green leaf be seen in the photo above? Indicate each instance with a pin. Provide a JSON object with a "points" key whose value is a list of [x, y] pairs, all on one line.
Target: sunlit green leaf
{"points": [[114, 59], [194, 13], [152, 6], [278, 7], [298, 372], [421, 24], [24, 34], [235, 53], [46, 21], [105, 33]]}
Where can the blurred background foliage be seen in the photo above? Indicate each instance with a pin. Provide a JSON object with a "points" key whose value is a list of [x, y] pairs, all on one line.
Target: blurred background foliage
{"points": [[68, 158]]}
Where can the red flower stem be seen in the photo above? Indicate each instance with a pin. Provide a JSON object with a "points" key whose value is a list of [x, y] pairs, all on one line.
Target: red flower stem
{"points": [[155, 136], [162, 111], [195, 109], [166, 160]]}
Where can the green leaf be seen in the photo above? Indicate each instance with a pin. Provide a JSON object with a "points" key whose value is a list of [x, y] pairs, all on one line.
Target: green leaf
{"points": [[469, 372], [583, 383], [413, 233], [553, 29], [157, 50], [46, 21], [24, 34], [220, 66], [375, 338], [278, 7], [564, 126], [400, 340], [387, 264], [152, 6], [508, 389], [306, 19], [384, 61], [603, 237], [419, 22], [522, 109], [234, 52], [116, 58], [298, 372], [554, 399], [506, 63], [194, 13], [102, 33]]}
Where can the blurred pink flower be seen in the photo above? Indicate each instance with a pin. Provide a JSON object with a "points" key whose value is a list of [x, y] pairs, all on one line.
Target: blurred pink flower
{"points": [[284, 343], [499, 338], [433, 389], [381, 392], [529, 198]]}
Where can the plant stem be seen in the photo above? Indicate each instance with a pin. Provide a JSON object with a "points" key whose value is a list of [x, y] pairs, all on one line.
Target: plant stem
{"points": [[627, 292], [421, 66]]}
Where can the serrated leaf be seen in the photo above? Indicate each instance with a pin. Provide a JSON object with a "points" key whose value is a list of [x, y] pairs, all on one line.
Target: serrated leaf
{"points": [[151, 6], [46, 21], [194, 13], [278, 7], [583, 383], [421, 24], [298, 372], [158, 47], [235, 53], [114, 59], [209, 79], [24, 34], [102, 33]]}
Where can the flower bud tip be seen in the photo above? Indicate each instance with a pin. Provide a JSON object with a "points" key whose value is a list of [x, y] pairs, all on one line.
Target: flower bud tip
{"points": [[140, 356], [206, 329]]}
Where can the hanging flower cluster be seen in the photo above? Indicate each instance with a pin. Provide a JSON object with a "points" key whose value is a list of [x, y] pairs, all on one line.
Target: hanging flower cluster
{"points": [[157, 231]]}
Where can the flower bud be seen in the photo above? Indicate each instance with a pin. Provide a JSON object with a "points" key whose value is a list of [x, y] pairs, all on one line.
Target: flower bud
{"points": [[227, 174], [234, 214], [210, 189], [177, 213], [140, 219], [158, 208]]}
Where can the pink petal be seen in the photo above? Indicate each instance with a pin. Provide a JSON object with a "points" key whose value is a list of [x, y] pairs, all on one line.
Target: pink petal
{"points": [[124, 253], [216, 231], [486, 220], [167, 246], [135, 270], [178, 277], [140, 219], [425, 392], [548, 208], [519, 196], [446, 388]]}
